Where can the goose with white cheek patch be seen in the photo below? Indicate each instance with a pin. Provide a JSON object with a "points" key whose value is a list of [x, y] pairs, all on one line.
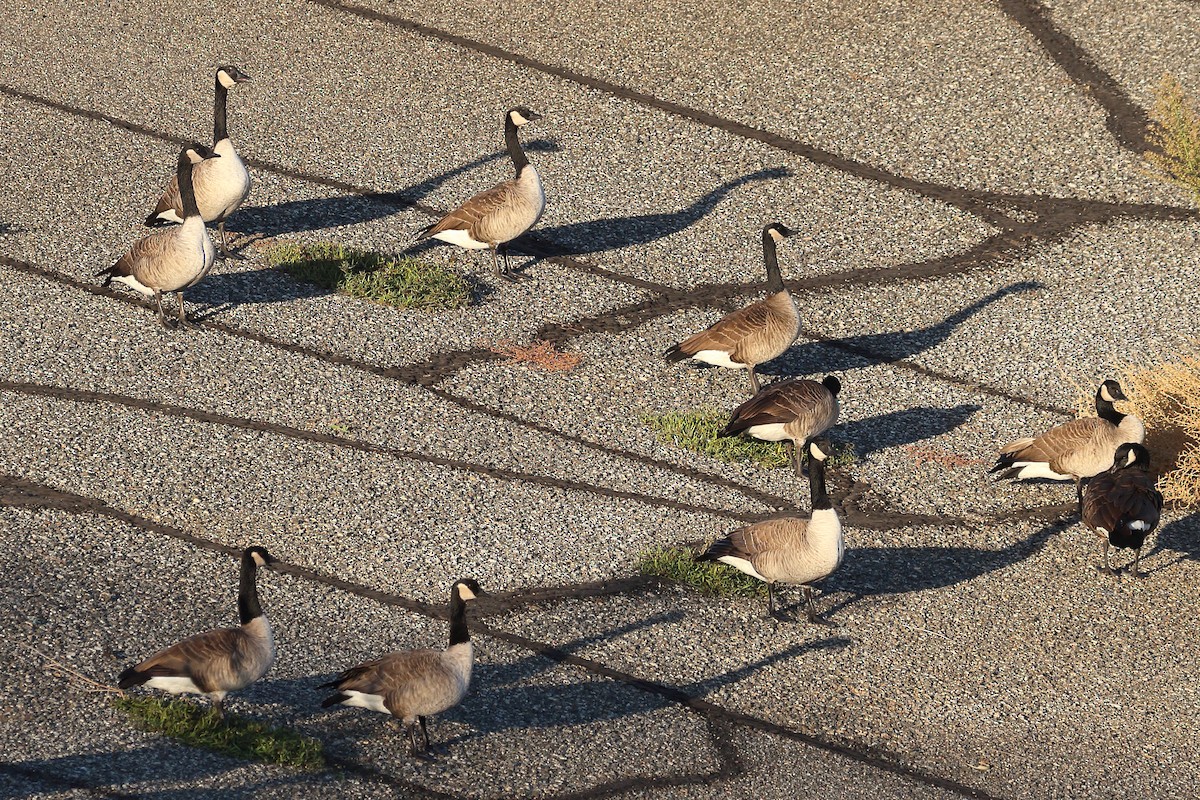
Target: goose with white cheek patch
{"points": [[216, 662], [1075, 450], [493, 218], [174, 259], [1123, 505], [221, 186], [794, 411], [414, 684], [752, 335], [793, 550]]}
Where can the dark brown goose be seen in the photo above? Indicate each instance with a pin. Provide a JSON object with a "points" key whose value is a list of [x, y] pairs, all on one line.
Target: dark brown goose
{"points": [[1077, 449], [794, 410], [414, 684], [221, 186], [752, 335], [174, 259], [1122, 505], [493, 218], [216, 662], [793, 550]]}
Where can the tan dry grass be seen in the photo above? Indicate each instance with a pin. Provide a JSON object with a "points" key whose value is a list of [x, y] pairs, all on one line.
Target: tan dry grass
{"points": [[1175, 131]]}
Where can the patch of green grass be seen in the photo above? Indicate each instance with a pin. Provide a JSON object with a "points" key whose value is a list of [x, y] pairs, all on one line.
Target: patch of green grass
{"points": [[707, 577], [697, 431], [234, 735], [399, 281], [1175, 130]]}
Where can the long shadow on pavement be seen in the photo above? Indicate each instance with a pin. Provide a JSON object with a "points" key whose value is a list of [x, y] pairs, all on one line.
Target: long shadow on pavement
{"points": [[898, 428], [857, 352]]}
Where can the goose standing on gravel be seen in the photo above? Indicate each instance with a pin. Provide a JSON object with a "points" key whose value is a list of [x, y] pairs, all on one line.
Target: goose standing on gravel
{"points": [[220, 661], [414, 684], [221, 186], [794, 410], [1077, 449], [752, 335], [174, 259], [1122, 505], [493, 218], [789, 549]]}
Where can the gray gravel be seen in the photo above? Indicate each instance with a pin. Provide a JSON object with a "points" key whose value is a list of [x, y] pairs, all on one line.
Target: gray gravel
{"points": [[975, 649]]}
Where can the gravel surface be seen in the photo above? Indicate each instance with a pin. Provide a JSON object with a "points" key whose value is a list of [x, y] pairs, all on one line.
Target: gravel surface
{"points": [[979, 246]]}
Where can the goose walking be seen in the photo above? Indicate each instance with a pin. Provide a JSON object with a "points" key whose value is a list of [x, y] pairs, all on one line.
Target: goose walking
{"points": [[1075, 450], [176, 258], [1122, 505], [221, 186], [414, 684], [216, 662], [752, 335], [792, 550], [795, 411], [493, 218]]}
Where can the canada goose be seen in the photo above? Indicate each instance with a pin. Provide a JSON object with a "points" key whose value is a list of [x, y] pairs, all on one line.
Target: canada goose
{"points": [[414, 684], [752, 335], [1122, 505], [1077, 449], [794, 410], [174, 259], [220, 661], [789, 549], [495, 217], [221, 186]]}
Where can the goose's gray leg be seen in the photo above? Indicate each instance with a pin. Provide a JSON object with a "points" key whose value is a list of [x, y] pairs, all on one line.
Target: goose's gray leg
{"points": [[162, 318], [218, 707], [1107, 568], [812, 610], [1137, 565], [182, 319], [770, 599], [754, 388], [224, 243]]}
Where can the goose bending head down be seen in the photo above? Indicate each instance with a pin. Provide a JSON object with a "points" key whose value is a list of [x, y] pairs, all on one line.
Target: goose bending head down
{"points": [[794, 550], [496, 216], [1074, 450], [176, 258], [795, 410], [414, 684], [1123, 505], [221, 187], [752, 335], [220, 661]]}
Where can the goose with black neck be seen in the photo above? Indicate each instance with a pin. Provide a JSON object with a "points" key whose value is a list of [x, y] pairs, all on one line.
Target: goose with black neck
{"points": [[222, 187], [175, 259], [496, 216]]}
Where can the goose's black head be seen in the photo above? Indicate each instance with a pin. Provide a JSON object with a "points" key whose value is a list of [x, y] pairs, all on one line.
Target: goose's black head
{"points": [[467, 589], [832, 384], [778, 231], [1131, 454], [228, 75], [522, 116], [819, 448], [196, 152], [1110, 390], [258, 555]]}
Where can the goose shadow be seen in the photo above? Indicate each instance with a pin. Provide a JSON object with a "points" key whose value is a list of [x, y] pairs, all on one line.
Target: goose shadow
{"points": [[612, 233], [157, 763], [898, 428], [297, 216], [857, 352], [870, 571], [1181, 537]]}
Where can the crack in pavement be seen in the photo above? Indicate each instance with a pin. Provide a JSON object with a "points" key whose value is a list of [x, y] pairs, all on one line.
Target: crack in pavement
{"points": [[20, 492]]}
